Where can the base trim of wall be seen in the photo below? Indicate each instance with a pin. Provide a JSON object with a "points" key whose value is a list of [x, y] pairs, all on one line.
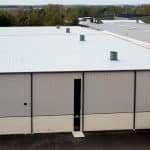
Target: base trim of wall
{"points": [[50, 124], [142, 120], [15, 125], [102, 122]]}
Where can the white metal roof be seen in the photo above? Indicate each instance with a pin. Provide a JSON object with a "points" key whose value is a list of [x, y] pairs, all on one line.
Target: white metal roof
{"points": [[47, 49]]}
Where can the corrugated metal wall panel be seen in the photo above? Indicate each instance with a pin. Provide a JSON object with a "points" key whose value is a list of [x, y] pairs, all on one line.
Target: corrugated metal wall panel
{"points": [[53, 93], [109, 92], [143, 91], [15, 90]]}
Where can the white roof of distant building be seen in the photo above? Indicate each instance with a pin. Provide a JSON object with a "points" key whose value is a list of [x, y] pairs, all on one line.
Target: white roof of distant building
{"points": [[121, 21], [48, 49], [81, 18], [139, 31]]}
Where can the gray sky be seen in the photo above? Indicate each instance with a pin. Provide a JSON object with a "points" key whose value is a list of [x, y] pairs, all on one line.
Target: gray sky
{"points": [[87, 2]]}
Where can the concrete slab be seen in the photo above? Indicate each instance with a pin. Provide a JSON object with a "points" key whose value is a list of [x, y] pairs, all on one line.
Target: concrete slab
{"points": [[78, 134]]}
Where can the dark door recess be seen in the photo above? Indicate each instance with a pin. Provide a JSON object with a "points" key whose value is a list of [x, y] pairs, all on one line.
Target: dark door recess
{"points": [[77, 104]]}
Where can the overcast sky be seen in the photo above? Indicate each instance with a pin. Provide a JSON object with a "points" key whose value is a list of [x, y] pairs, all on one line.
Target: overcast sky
{"points": [[72, 2]]}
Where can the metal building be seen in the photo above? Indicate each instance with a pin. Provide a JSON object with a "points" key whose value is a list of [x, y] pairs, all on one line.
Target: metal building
{"points": [[53, 81]]}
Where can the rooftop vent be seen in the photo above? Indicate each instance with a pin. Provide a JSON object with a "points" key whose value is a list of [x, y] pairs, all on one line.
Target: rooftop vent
{"points": [[137, 20], [67, 30], [113, 55], [58, 26], [82, 37]]}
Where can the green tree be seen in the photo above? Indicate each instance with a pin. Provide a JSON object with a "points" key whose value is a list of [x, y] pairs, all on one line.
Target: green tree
{"points": [[6, 19]]}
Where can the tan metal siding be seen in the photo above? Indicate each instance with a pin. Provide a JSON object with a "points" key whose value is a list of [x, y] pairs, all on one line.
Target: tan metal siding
{"points": [[15, 125], [109, 92], [118, 121], [47, 124]]}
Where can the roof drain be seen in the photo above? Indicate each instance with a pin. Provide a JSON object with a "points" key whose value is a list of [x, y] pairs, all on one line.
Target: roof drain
{"points": [[67, 30], [82, 37], [113, 55]]}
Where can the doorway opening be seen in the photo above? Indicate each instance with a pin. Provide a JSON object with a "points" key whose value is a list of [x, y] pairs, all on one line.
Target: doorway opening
{"points": [[77, 104]]}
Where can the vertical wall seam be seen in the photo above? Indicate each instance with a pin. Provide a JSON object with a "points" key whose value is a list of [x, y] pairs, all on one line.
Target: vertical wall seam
{"points": [[83, 92], [134, 106], [31, 103]]}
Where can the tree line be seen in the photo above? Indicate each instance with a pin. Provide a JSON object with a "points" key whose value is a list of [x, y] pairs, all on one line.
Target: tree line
{"points": [[68, 15]]}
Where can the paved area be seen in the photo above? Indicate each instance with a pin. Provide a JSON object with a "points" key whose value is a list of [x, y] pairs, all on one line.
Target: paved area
{"points": [[92, 141]]}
